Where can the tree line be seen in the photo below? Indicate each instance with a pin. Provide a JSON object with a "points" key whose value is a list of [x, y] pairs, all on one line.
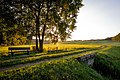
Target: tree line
{"points": [[114, 38], [44, 19]]}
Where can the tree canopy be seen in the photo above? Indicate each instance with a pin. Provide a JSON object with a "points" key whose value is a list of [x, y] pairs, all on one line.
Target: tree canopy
{"points": [[50, 19]]}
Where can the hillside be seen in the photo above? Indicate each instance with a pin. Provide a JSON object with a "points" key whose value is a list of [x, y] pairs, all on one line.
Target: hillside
{"points": [[116, 38]]}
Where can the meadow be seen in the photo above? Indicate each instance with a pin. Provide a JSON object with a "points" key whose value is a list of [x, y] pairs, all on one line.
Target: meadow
{"points": [[62, 50], [59, 62], [48, 47]]}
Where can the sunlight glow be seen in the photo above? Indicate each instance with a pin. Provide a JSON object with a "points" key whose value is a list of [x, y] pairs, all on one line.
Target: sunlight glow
{"points": [[96, 22]]}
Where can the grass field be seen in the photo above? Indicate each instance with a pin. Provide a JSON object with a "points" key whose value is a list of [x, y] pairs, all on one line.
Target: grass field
{"points": [[96, 42], [62, 64], [63, 50], [4, 50]]}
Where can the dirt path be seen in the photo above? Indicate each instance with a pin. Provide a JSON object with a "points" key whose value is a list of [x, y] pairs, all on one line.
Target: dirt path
{"points": [[21, 65], [33, 63]]}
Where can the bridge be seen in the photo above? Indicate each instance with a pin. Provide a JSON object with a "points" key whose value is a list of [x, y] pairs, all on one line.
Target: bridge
{"points": [[87, 59]]}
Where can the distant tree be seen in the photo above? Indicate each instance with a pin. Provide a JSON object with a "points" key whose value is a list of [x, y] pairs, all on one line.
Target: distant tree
{"points": [[109, 38]]}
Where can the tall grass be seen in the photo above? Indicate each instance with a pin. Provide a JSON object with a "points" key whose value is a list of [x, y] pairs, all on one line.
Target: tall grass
{"points": [[109, 64]]}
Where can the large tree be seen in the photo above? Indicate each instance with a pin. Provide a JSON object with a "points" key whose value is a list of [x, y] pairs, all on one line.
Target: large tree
{"points": [[7, 20], [53, 19]]}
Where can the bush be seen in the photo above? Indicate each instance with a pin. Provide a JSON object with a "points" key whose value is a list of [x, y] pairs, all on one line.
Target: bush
{"points": [[16, 40]]}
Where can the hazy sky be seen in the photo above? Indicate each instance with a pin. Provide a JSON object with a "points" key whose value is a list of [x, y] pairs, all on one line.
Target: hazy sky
{"points": [[97, 19]]}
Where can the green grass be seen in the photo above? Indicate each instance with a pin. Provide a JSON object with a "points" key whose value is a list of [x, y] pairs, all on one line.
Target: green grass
{"points": [[64, 50], [109, 63], [69, 69], [97, 42]]}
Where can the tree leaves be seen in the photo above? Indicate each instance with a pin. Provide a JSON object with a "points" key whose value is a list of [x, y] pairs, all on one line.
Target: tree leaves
{"points": [[42, 17]]}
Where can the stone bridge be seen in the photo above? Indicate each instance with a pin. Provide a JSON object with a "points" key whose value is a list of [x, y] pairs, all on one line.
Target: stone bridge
{"points": [[87, 59]]}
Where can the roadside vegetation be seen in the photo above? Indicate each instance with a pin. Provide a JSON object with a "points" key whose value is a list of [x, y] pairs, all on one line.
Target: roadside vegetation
{"points": [[108, 64], [68, 69]]}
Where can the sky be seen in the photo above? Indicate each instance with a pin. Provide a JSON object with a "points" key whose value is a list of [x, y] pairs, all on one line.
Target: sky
{"points": [[97, 19]]}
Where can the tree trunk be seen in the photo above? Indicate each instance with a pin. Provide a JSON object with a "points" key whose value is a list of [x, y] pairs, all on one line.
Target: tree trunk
{"points": [[36, 42], [37, 31], [43, 32], [41, 45], [39, 39], [1, 38], [42, 40]]}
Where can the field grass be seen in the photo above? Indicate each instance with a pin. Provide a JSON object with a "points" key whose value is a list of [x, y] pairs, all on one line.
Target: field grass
{"points": [[66, 69], [109, 63], [94, 42], [65, 66], [52, 46], [4, 50], [65, 50]]}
